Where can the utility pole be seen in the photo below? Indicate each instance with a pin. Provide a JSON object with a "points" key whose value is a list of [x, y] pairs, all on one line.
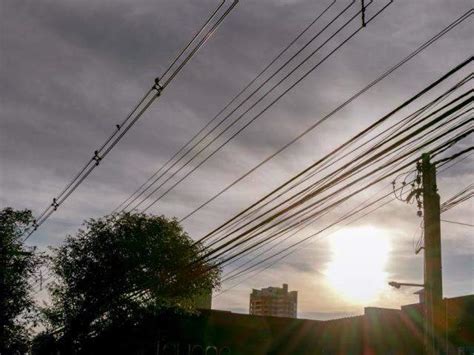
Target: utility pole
{"points": [[432, 260]]}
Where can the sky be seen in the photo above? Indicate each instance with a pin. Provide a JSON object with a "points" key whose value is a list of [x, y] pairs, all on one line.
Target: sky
{"points": [[70, 71]]}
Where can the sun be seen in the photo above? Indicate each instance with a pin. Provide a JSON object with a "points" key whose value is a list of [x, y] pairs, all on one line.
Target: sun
{"points": [[357, 267]]}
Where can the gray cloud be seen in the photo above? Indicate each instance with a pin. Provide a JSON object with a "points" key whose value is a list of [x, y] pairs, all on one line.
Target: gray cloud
{"points": [[71, 70]]}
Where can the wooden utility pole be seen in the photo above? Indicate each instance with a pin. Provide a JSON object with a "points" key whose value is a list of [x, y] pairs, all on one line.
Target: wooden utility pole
{"points": [[433, 276]]}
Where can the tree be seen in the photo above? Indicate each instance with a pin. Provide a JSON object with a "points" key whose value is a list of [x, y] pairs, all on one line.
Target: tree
{"points": [[121, 266], [18, 264]]}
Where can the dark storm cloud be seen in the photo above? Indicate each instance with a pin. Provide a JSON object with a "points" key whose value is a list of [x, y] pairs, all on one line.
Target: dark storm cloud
{"points": [[70, 70]]}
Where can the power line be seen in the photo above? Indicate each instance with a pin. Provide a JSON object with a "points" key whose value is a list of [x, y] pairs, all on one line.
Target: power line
{"points": [[277, 189], [308, 222], [459, 223], [302, 210], [338, 221], [394, 131], [246, 271], [398, 144], [425, 136], [132, 118], [298, 230], [227, 116], [285, 255], [133, 196], [338, 149], [270, 105], [294, 250], [306, 198], [237, 243], [261, 112], [253, 258], [340, 107], [459, 198]]}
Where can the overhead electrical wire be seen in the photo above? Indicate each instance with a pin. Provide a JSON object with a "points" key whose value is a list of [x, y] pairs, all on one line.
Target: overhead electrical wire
{"points": [[378, 12], [404, 121], [249, 270], [294, 250], [346, 216], [387, 195], [260, 74], [303, 191], [425, 136], [236, 241], [460, 197], [438, 149], [458, 223], [186, 176], [333, 112], [291, 235], [300, 201], [418, 131], [266, 107], [438, 119], [120, 129], [157, 177], [310, 221], [344, 198], [338, 149], [452, 141]]}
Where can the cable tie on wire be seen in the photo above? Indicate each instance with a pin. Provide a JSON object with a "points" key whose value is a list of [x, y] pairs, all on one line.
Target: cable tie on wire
{"points": [[97, 157], [158, 87], [55, 204]]}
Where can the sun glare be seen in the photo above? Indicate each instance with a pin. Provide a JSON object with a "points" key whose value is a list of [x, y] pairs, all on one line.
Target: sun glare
{"points": [[357, 268]]}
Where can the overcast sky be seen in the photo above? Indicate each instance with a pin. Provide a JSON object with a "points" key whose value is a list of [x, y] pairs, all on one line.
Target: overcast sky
{"points": [[71, 70]]}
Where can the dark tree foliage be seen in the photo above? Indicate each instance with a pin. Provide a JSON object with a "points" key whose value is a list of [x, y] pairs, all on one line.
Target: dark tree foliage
{"points": [[119, 268], [44, 344], [18, 264]]}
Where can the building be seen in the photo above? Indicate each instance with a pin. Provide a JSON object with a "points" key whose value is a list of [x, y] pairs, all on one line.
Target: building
{"points": [[379, 331], [274, 301]]}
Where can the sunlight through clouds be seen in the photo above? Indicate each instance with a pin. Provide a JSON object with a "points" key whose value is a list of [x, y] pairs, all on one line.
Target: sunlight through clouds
{"points": [[358, 260]]}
